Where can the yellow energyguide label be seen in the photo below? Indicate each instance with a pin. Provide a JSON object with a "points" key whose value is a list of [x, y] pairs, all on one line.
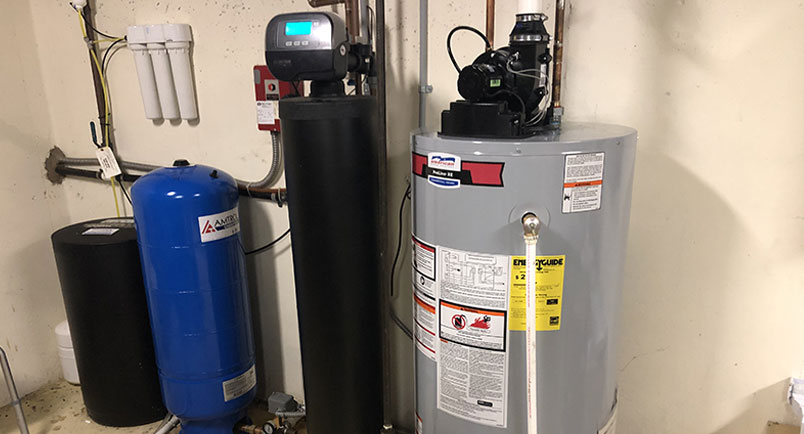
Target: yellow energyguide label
{"points": [[549, 290]]}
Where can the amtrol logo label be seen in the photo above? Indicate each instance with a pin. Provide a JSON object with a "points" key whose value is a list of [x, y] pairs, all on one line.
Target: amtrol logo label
{"points": [[217, 226]]}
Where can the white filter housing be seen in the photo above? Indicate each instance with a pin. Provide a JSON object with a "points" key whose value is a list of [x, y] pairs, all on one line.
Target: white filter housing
{"points": [[177, 42], [162, 57], [145, 72]]}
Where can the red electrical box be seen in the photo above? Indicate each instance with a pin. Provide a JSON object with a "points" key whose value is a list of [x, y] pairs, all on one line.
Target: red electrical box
{"points": [[268, 91]]}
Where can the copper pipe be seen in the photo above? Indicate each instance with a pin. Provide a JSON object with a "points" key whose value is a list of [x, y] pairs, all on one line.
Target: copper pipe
{"points": [[353, 26], [558, 57], [96, 78], [490, 6]]}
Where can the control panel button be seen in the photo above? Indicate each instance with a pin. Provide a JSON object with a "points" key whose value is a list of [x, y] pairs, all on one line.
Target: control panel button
{"points": [[296, 43], [288, 43], [305, 43]]}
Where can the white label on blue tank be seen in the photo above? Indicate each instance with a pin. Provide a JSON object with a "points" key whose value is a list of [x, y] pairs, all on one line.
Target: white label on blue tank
{"points": [[444, 170], [221, 225], [240, 385]]}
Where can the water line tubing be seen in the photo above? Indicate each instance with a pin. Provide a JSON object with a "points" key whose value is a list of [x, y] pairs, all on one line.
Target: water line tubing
{"points": [[531, 225], [12, 392]]}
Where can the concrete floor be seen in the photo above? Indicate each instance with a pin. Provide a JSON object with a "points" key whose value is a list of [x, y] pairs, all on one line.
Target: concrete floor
{"points": [[59, 408]]}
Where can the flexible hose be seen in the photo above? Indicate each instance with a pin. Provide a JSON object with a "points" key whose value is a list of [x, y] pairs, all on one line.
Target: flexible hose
{"points": [[12, 392], [273, 173]]}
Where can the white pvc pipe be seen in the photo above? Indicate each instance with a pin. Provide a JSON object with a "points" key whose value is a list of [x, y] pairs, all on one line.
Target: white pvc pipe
{"points": [[530, 337], [531, 226], [530, 7], [179, 53]]}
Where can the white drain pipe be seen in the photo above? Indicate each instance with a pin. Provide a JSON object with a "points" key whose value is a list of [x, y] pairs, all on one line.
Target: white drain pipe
{"points": [[531, 226]]}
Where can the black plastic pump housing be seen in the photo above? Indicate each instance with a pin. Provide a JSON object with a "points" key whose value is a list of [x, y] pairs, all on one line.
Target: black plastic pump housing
{"points": [[504, 89]]}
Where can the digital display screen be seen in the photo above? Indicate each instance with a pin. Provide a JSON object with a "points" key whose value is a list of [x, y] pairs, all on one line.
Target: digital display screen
{"points": [[298, 28]]}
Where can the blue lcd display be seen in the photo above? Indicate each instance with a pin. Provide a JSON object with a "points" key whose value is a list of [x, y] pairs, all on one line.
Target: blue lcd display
{"points": [[298, 28]]}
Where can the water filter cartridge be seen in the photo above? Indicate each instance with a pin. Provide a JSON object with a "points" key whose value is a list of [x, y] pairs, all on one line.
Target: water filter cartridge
{"points": [[177, 42], [162, 72], [145, 71]]}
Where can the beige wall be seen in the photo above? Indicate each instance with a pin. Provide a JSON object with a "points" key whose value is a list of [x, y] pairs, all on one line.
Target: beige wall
{"points": [[30, 299], [713, 281]]}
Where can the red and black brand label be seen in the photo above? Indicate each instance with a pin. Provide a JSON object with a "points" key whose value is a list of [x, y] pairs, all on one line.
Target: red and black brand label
{"points": [[478, 173]]}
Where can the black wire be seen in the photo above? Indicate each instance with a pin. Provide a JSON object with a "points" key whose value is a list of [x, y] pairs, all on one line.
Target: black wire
{"points": [[123, 189], [89, 24], [296, 87], [508, 92], [400, 324], [269, 245], [393, 314], [449, 42], [108, 56], [399, 237]]}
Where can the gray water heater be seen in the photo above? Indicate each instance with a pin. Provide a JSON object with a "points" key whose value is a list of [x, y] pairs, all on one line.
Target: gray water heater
{"points": [[469, 198]]}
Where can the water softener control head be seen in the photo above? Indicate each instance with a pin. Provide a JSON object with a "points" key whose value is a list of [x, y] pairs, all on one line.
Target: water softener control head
{"points": [[307, 46]]}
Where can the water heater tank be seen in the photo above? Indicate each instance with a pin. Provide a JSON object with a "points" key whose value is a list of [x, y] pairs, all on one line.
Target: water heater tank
{"points": [[469, 198], [188, 230]]}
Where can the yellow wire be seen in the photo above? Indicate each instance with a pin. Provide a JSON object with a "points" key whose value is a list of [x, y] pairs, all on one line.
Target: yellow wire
{"points": [[114, 192], [105, 102]]}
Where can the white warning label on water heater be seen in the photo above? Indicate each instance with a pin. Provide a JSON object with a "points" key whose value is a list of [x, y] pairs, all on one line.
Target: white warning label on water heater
{"points": [[240, 385], [472, 353], [583, 182], [221, 225]]}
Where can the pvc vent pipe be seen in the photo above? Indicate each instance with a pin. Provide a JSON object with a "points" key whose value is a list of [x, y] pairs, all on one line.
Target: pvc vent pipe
{"points": [[167, 70], [530, 7]]}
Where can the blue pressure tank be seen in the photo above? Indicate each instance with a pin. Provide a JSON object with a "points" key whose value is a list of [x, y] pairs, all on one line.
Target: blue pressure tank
{"points": [[188, 230]]}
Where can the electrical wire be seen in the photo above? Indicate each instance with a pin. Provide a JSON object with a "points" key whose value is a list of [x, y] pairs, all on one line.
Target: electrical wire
{"points": [[449, 43], [105, 35], [123, 189], [107, 55], [269, 245], [405, 198], [105, 123], [392, 313], [402, 326]]}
